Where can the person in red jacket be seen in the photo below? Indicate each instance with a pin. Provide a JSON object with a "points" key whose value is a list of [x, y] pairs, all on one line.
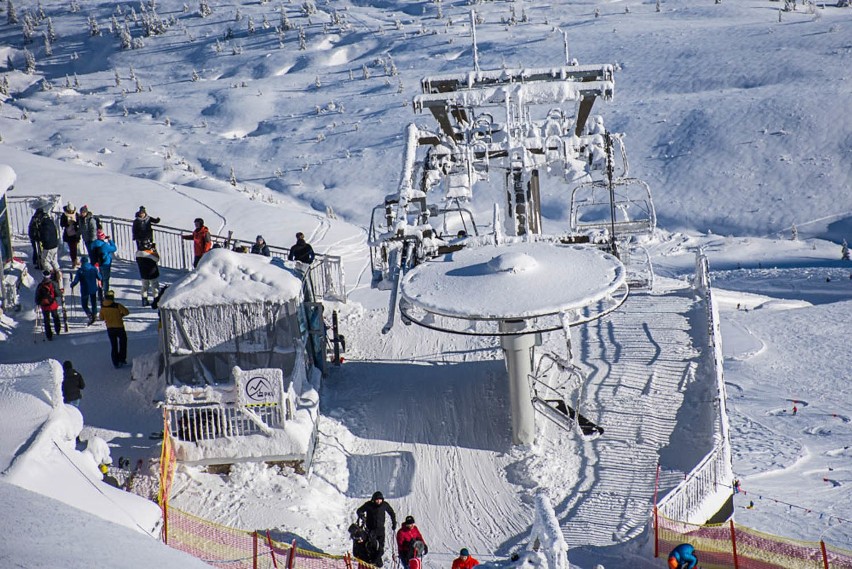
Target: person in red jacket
{"points": [[464, 560], [201, 240], [410, 542], [45, 298]]}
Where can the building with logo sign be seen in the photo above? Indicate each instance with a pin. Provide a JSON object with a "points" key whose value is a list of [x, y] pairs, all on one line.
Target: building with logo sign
{"points": [[242, 352]]}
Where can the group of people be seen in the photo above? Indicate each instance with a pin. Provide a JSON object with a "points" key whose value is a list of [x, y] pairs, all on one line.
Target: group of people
{"points": [[368, 537]]}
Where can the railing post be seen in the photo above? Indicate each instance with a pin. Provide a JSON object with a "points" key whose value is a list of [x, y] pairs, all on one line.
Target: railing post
{"points": [[824, 554], [291, 562], [271, 549], [656, 532], [254, 550]]}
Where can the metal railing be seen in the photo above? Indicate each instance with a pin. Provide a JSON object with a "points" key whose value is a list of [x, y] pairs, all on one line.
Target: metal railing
{"points": [[326, 272], [212, 421]]}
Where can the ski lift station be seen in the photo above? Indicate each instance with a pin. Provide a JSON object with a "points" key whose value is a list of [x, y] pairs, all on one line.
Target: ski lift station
{"points": [[243, 352]]}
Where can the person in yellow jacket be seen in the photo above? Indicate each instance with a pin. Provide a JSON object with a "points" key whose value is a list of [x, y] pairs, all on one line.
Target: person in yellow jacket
{"points": [[113, 314]]}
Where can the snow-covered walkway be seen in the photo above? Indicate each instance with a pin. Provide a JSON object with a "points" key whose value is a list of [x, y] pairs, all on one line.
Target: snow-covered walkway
{"points": [[639, 361]]}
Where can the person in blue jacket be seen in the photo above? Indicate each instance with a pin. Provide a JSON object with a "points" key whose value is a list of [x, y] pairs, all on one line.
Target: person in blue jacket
{"points": [[88, 276], [101, 255], [683, 557]]}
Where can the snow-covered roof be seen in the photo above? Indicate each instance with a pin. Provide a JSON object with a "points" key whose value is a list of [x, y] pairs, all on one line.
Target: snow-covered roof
{"points": [[226, 277], [7, 178], [521, 280]]}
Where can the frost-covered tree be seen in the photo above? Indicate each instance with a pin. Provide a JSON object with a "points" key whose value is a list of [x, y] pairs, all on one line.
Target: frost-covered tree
{"points": [[30, 65], [794, 233], [844, 251], [74, 7], [51, 31], [94, 28], [28, 28], [657, 7], [11, 13], [317, 82], [48, 47], [204, 8], [139, 88], [308, 7], [10, 64], [125, 38], [285, 21], [117, 78], [4, 86], [195, 76], [238, 16], [232, 178], [46, 85], [365, 71], [251, 28], [303, 41]]}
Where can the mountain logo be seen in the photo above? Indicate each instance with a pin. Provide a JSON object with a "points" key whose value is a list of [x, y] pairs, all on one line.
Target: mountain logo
{"points": [[259, 390]]}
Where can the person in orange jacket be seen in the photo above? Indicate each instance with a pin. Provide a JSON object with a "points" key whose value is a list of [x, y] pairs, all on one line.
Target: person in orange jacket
{"points": [[201, 240], [410, 542], [464, 560]]}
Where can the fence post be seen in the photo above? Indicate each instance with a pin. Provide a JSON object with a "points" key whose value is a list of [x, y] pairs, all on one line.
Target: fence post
{"points": [[734, 545], [291, 561], [824, 554], [254, 549], [348, 560], [656, 532], [271, 550]]}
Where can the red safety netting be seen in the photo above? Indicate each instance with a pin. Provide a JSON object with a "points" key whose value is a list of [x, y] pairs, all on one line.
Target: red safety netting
{"points": [[729, 546]]}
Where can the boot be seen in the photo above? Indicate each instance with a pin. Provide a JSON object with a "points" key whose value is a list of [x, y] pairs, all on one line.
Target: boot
{"points": [[145, 301]]}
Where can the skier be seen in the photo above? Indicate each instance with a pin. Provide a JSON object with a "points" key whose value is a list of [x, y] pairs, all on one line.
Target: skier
{"points": [[683, 557], [301, 251], [70, 231], [410, 542], [49, 244], [45, 298], [113, 314], [72, 384], [201, 240], [147, 259], [89, 278], [143, 232], [108, 478], [89, 225], [100, 253], [464, 560], [260, 247], [372, 513], [34, 233]]}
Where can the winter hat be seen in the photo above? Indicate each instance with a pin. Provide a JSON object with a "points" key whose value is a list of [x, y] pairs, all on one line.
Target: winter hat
{"points": [[464, 552], [84, 259], [67, 365], [259, 238], [408, 520], [84, 209], [377, 496], [110, 294], [69, 208]]}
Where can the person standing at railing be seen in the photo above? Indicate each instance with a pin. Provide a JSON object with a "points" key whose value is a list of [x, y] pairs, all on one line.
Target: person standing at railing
{"points": [[89, 225], [260, 247], [34, 233], [147, 259], [102, 249], [70, 225], [201, 240], [143, 230], [302, 250], [49, 243]]}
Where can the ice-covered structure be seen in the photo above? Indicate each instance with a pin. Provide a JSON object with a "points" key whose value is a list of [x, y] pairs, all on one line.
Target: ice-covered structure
{"points": [[243, 354]]}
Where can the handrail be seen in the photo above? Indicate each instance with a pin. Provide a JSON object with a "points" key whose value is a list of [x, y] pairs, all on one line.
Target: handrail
{"points": [[326, 272]]}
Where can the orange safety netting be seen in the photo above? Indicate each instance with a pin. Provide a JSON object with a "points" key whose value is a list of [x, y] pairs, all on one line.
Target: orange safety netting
{"points": [[729, 546]]}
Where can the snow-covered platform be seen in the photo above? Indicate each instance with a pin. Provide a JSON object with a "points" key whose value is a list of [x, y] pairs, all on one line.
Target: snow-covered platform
{"points": [[645, 369]]}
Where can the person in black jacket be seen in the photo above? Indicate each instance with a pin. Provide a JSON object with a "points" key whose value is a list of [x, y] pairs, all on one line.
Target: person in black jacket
{"points": [[260, 247], [72, 384], [372, 513], [49, 241], [147, 258], [143, 232], [34, 232], [301, 251]]}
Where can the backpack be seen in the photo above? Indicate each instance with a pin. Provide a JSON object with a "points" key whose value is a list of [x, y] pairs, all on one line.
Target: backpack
{"points": [[46, 294], [96, 256]]}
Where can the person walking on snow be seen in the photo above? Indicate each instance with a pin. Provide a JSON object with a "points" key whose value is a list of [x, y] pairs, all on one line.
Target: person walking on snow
{"points": [[45, 298], [70, 231], [143, 231], [464, 560], [89, 225], [201, 240], [113, 314], [410, 542], [72, 384], [147, 259], [373, 515], [301, 251], [683, 557], [34, 233], [102, 249], [49, 243], [260, 247], [89, 278]]}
